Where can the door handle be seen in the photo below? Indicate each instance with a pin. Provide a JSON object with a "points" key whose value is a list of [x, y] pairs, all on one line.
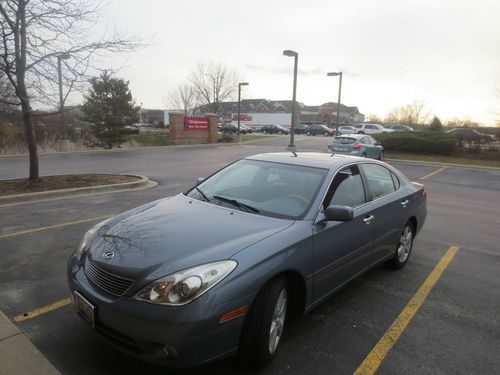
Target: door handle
{"points": [[404, 203], [368, 219]]}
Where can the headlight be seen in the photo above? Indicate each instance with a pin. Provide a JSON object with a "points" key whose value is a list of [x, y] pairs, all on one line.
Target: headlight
{"points": [[185, 286], [89, 237]]}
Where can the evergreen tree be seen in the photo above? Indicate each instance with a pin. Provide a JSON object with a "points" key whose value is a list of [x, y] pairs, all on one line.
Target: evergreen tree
{"points": [[109, 106], [436, 125]]}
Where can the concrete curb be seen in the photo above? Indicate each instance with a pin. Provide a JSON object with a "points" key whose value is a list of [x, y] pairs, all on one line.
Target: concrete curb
{"points": [[18, 355], [143, 182], [439, 164]]}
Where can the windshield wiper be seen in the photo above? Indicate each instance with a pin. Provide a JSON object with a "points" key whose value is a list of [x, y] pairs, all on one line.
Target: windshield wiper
{"points": [[202, 194], [234, 202]]}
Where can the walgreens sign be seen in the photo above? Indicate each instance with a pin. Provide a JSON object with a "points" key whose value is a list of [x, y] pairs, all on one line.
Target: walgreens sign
{"points": [[195, 123]]}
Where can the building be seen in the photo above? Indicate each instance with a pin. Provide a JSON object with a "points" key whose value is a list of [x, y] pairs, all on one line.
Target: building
{"points": [[260, 112]]}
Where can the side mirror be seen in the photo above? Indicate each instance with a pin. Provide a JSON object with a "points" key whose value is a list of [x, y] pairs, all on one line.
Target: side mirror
{"points": [[338, 213], [200, 180]]}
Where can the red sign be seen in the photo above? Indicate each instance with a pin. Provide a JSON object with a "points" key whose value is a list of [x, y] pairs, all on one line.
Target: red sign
{"points": [[242, 118], [195, 123]]}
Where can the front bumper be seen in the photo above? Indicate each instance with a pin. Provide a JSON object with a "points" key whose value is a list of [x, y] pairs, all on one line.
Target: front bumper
{"points": [[180, 336]]}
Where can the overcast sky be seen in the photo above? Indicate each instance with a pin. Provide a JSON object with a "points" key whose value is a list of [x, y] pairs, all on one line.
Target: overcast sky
{"points": [[445, 52]]}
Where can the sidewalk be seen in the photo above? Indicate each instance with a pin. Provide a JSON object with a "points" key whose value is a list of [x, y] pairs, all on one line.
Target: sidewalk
{"points": [[18, 355]]}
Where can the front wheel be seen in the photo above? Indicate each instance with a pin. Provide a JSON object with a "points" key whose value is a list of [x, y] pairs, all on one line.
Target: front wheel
{"points": [[280, 132], [404, 247], [264, 326]]}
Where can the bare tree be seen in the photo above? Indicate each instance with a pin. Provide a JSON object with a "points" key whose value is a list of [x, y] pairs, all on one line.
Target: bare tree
{"points": [[36, 37], [214, 83], [412, 113], [374, 118], [181, 99]]}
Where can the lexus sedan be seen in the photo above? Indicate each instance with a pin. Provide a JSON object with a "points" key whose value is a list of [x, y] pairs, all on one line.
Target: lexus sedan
{"points": [[220, 269], [357, 145]]}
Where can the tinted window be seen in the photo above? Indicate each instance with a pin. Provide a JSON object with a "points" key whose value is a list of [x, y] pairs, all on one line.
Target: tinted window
{"points": [[277, 190], [379, 180], [346, 188]]}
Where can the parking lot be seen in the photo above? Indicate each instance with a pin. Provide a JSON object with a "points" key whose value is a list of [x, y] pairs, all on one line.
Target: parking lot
{"points": [[456, 330]]}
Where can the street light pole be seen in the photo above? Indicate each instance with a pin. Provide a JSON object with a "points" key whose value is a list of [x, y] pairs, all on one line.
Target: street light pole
{"points": [[333, 74], [239, 103], [295, 55]]}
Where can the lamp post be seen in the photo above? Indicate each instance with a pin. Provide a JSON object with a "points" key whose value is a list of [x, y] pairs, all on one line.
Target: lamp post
{"points": [[295, 55], [62, 56], [239, 103], [333, 74]]}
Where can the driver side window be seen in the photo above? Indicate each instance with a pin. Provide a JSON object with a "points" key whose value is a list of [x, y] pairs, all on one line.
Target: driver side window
{"points": [[346, 188]]}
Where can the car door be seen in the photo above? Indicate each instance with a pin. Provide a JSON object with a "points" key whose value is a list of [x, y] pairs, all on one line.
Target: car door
{"points": [[341, 249], [389, 208]]}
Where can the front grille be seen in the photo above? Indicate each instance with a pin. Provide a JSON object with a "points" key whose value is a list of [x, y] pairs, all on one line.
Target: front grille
{"points": [[105, 280]]}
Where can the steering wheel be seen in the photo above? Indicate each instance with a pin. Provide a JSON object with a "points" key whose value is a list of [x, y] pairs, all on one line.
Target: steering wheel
{"points": [[299, 198]]}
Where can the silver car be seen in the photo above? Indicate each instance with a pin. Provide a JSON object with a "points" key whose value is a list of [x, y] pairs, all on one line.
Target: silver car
{"points": [[220, 269]]}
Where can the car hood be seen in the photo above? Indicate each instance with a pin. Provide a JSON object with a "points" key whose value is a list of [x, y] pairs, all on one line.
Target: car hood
{"points": [[175, 234]]}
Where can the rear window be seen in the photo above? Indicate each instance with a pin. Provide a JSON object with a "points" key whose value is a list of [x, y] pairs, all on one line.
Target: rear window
{"points": [[344, 140]]}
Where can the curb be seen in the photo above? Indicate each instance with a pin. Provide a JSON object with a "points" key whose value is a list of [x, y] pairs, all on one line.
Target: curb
{"points": [[143, 182], [18, 355], [440, 164], [221, 144]]}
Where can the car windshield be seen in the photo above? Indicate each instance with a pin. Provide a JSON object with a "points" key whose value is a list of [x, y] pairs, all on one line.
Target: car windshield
{"points": [[344, 140], [264, 188]]}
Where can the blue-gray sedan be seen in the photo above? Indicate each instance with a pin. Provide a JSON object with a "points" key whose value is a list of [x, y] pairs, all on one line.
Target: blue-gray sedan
{"points": [[219, 269], [357, 145]]}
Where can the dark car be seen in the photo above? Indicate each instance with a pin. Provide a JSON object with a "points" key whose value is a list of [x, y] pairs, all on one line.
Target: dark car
{"points": [[301, 129], [317, 129], [399, 128], [274, 129], [232, 128], [470, 135], [219, 269]]}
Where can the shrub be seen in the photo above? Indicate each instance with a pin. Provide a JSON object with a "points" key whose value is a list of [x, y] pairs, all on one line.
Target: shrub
{"points": [[418, 142]]}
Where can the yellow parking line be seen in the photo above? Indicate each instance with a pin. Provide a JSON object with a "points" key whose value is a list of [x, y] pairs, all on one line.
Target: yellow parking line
{"points": [[30, 231], [432, 173], [41, 310], [384, 345]]}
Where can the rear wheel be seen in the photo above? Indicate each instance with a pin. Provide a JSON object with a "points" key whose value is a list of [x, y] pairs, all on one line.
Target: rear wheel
{"points": [[327, 134], [308, 133], [280, 132], [403, 250], [265, 324]]}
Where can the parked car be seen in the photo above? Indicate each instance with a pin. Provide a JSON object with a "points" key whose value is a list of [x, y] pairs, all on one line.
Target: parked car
{"points": [[274, 129], [347, 129], [371, 129], [301, 129], [164, 283], [233, 128], [316, 129], [357, 145], [470, 135], [399, 128]]}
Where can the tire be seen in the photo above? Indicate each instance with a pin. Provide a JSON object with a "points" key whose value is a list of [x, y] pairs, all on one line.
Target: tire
{"points": [[404, 247], [363, 155], [327, 134], [268, 312], [280, 132], [308, 133], [361, 132]]}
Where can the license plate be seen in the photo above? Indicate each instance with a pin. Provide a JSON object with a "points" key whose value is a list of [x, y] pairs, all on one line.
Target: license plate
{"points": [[84, 308]]}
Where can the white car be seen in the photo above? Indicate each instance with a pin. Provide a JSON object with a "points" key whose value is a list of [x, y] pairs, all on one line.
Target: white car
{"points": [[347, 130], [371, 129]]}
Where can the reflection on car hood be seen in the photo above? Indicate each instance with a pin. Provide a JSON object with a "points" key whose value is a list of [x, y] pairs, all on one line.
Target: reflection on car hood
{"points": [[178, 233]]}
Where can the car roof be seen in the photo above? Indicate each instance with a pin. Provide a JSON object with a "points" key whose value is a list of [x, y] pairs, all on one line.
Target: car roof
{"points": [[355, 136], [306, 159]]}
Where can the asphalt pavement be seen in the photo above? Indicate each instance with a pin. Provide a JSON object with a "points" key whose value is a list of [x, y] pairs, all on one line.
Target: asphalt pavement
{"points": [[455, 331]]}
